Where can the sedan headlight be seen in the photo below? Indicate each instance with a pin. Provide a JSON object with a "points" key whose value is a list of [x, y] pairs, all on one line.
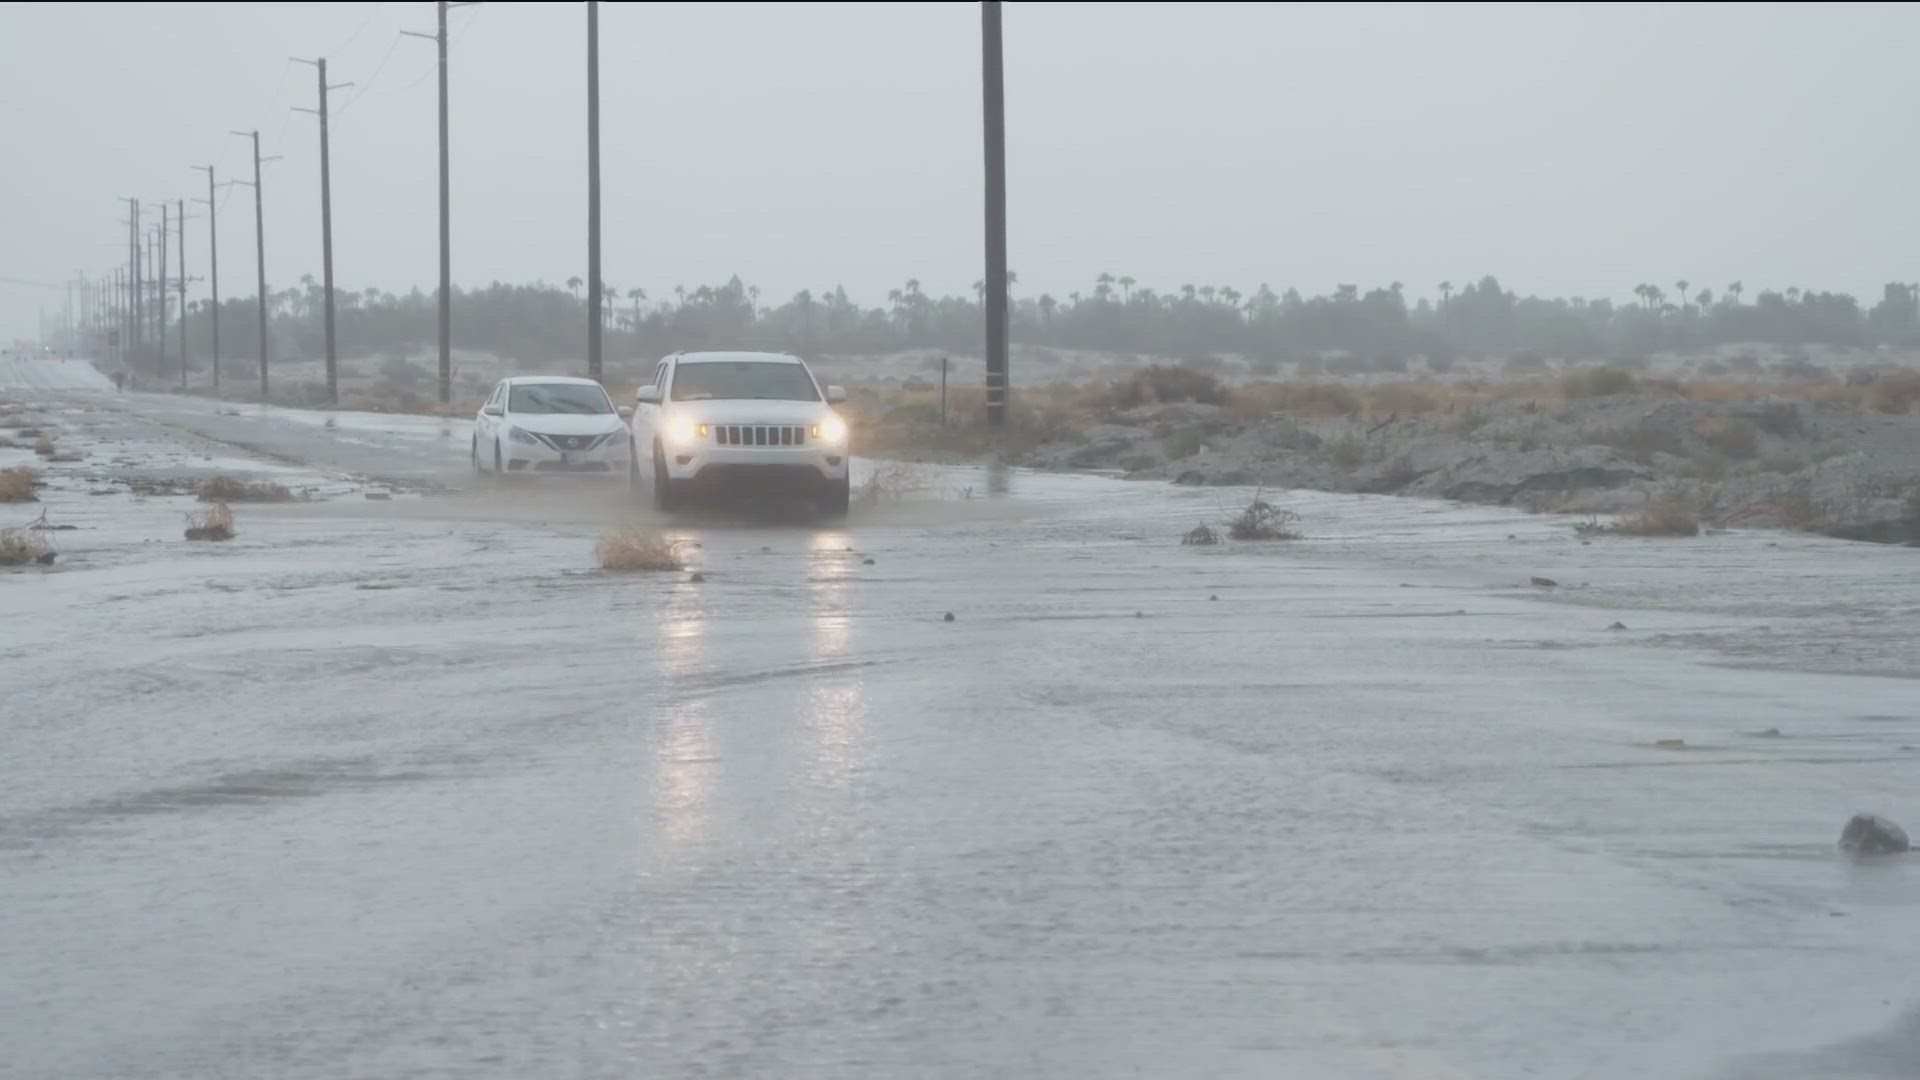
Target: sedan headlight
{"points": [[832, 430], [519, 436], [681, 431]]}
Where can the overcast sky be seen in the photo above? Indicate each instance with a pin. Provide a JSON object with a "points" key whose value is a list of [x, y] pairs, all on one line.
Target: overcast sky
{"points": [[1571, 150]]}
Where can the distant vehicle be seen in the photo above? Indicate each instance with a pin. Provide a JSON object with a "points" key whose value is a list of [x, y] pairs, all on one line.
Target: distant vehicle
{"points": [[551, 425], [712, 420]]}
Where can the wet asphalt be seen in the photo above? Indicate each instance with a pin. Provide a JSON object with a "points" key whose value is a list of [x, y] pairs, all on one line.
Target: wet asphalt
{"points": [[409, 788]]}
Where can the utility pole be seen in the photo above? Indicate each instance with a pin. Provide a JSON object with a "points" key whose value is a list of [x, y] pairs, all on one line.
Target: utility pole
{"points": [[180, 209], [260, 254], [160, 296], [439, 38], [995, 110], [326, 226], [133, 279], [213, 269], [593, 191]]}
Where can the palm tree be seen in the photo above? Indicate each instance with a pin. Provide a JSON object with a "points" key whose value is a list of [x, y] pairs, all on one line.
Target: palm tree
{"points": [[636, 295], [1187, 291], [1704, 299], [1126, 288], [1681, 287], [681, 292], [1207, 293], [1446, 292], [1047, 305], [1735, 290], [573, 285], [1793, 294], [1655, 297]]}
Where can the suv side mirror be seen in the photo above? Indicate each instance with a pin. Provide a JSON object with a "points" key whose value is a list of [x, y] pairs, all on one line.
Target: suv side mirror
{"points": [[836, 394], [647, 395], [494, 410], [625, 411]]}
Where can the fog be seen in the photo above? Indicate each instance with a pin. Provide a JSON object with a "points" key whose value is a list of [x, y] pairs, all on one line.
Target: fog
{"points": [[1571, 151]]}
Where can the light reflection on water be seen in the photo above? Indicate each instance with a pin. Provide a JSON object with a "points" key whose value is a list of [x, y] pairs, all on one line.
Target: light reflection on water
{"points": [[682, 736], [833, 717]]}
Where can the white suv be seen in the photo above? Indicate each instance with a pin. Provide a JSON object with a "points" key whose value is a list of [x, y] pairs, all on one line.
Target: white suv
{"points": [[739, 418]]}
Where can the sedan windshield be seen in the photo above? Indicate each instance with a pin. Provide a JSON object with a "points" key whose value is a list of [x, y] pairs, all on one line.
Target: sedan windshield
{"points": [[533, 398], [747, 380]]}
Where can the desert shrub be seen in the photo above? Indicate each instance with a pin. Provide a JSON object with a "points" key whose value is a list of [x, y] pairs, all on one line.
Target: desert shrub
{"points": [[213, 523], [1349, 452], [1202, 534], [1398, 474], [1261, 520], [1186, 442], [633, 548], [227, 489], [16, 485], [1736, 439], [1894, 394], [45, 448], [1404, 399], [1711, 466], [30, 433], [1644, 439], [1597, 382], [1780, 421], [1663, 516], [21, 546], [1164, 383], [1525, 362]]}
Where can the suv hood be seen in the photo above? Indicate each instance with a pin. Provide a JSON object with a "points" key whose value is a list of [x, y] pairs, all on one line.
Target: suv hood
{"points": [[719, 411], [567, 423]]}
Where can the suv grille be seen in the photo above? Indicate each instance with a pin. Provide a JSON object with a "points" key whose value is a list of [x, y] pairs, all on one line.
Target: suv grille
{"points": [[751, 435]]}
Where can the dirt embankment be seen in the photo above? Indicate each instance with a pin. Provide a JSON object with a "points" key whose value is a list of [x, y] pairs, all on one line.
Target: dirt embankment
{"points": [[1825, 469]]}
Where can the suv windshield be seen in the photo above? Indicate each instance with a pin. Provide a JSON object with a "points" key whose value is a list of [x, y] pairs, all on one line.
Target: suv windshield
{"points": [[748, 380], [558, 398]]}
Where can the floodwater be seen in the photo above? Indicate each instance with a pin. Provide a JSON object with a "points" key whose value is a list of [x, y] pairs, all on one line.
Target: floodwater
{"points": [[408, 788]]}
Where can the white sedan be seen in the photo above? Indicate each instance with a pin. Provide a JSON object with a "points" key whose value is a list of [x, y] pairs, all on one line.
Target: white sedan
{"points": [[547, 424]]}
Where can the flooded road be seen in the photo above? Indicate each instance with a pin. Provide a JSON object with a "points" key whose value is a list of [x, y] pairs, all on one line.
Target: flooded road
{"points": [[408, 788]]}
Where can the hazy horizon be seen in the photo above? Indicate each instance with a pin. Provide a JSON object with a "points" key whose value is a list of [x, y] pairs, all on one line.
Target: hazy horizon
{"points": [[1570, 151]]}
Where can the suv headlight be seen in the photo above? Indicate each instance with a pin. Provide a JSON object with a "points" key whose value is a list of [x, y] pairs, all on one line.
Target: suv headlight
{"points": [[831, 430], [516, 435], [681, 431]]}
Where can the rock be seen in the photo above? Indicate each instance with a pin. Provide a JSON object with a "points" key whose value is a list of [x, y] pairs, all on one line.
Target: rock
{"points": [[1671, 744], [1506, 476], [378, 496], [1100, 434], [948, 617], [866, 562], [1768, 733], [1871, 834], [45, 559], [1543, 583], [1191, 478], [1173, 410], [1215, 596], [1618, 626], [697, 577]]}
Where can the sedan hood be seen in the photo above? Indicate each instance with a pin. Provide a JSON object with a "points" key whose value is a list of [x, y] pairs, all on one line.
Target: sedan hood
{"points": [[567, 423]]}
